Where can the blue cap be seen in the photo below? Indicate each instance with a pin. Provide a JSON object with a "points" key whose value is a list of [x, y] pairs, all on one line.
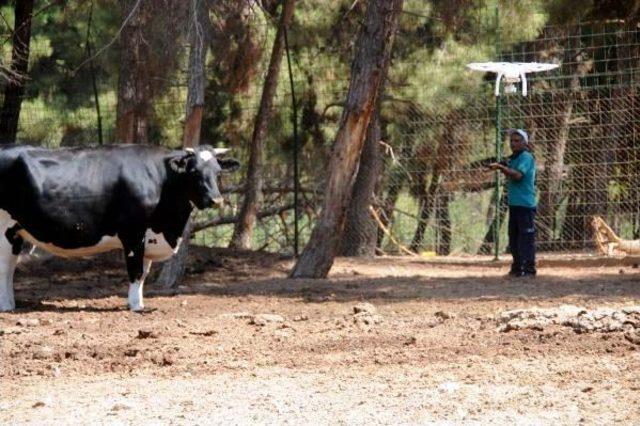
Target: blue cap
{"points": [[522, 133]]}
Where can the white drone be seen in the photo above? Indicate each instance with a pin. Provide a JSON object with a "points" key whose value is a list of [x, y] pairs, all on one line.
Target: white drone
{"points": [[513, 72]]}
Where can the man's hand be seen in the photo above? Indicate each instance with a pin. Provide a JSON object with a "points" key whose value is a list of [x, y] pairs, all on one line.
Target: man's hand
{"points": [[510, 173]]}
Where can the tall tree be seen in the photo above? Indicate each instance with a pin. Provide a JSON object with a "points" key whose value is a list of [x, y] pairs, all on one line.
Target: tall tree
{"points": [[368, 69], [443, 224], [361, 231], [243, 232], [14, 89], [199, 36], [149, 44], [439, 158], [561, 109], [231, 71], [134, 85]]}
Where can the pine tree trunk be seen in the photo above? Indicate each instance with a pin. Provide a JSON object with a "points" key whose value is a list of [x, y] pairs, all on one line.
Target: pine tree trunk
{"points": [[488, 241], [361, 230], [199, 36], [598, 168], [368, 70], [443, 221], [134, 88], [395, 184], [427, 204], [14, 90], [570, 227], [173, 269], [551, 182], [551, 188], [199, 33], [251, 204], [589, 175]]}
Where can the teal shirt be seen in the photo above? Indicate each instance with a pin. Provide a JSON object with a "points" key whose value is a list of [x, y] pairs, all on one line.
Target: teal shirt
{"points": [[523, 192]]}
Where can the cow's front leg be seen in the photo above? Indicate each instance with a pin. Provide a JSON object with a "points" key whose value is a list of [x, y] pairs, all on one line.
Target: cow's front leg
{"points": [[10, 246], [137, 268], [135, 301], [7, 267]]}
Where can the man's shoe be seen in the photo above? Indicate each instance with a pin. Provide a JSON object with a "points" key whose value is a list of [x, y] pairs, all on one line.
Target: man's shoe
{"points": [[525, 274]]}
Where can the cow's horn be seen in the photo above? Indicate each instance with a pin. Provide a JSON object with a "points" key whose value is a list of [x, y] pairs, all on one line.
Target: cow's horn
{"points": [[220, 151]]}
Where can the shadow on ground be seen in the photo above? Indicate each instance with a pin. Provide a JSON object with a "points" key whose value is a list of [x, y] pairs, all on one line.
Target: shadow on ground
{"points": [[238, 274]]}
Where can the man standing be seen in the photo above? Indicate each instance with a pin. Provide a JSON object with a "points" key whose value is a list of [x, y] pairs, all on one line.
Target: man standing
{"points": [[520, 171]]}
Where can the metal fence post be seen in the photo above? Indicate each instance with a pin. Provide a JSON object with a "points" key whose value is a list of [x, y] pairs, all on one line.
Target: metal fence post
{"points": [[294, 119], [498, 147]]}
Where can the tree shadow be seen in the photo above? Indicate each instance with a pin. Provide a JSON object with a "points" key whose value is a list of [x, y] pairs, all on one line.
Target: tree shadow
{"points": [[242, 274], [595, 286], [47, 306]]}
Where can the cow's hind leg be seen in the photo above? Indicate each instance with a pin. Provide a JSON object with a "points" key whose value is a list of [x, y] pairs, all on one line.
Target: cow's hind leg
{"points": [[10, 245]]}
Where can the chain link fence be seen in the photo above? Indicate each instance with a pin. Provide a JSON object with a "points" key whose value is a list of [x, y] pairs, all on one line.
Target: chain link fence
{"points": [[438, 121], [439, 197]]}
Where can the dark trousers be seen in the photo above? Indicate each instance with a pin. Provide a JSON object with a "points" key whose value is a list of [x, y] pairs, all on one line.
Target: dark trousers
{"points": [[522, 239]]}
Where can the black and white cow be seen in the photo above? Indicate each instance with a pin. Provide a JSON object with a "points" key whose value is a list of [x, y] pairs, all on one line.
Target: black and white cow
{"points": [[83, 201]]}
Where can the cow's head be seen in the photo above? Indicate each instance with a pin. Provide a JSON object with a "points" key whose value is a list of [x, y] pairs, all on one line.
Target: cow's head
{"points": [[200, 169]]}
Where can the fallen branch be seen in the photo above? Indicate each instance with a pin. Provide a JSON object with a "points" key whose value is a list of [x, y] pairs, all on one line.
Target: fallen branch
{"points": [[226, 220], [609, 243], [388, 150], [240, 189], [388, 233]]}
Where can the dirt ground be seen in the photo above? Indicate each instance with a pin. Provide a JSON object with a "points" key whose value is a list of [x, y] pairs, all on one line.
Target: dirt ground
{"points": [[240, 343]]}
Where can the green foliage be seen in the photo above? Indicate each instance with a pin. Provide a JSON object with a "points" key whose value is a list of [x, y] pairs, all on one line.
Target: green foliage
{"points": [[60, 44], [575, 11], [427, 94]]}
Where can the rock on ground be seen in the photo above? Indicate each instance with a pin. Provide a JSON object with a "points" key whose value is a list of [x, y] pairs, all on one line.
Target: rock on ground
{"points": [[365, 307], [264, 319], [580, 319]]}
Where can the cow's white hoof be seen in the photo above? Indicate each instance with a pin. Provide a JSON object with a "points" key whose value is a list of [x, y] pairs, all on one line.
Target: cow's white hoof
{"points": [[135, 300], [136, 308], [7, 307]]}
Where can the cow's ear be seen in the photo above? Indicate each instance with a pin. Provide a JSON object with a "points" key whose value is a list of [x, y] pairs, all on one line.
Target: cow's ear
{"points": [[228, 165], [183, 163]]}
